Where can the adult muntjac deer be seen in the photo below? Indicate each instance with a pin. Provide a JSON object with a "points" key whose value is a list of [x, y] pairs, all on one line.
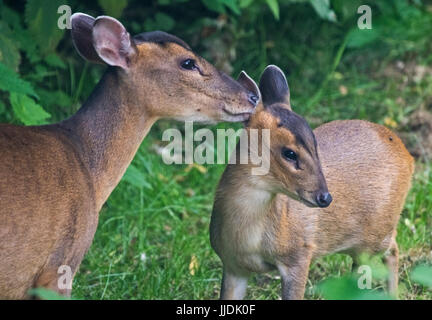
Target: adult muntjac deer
{"points": [[54, 179], [266, 222]]}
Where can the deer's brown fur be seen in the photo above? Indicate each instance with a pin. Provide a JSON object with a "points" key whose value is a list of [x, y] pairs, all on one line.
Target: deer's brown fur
{"points": [[54, 179]]}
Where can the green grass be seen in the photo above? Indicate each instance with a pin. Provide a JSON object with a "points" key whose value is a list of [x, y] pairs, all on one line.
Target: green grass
{"points": [[148, 238]]}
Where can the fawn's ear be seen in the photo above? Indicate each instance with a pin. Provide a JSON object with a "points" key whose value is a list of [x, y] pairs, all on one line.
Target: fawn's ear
{"points": [[82, 26], [274, 87], [112, 42]]}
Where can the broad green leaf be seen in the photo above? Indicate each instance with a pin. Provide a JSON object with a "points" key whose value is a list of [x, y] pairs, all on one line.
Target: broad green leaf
{"points": [[322, 8], [346, 288], [56, 99], [45, 294], [27, 110], [41, 17], [161, 22], [274, 7], [54, 60], [214, 5], [136, 178], [245, 3], [21, 37], [346, 10], [113, 8], [232, 4], [9, 53], [11, 82], [423, 275], [358, 38]]}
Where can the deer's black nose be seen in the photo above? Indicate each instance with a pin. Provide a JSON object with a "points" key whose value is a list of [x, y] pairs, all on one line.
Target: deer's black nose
{"points": [[324, 199], [253, 99]]}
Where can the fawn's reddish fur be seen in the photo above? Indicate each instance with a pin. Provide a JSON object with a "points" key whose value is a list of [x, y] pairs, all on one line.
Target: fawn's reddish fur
{"points": [[259, 224]]}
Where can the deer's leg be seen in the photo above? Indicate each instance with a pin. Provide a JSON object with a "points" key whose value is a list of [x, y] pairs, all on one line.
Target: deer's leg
{"points": [[233, 286], [391, 259], [294, 274], [56, 281]]}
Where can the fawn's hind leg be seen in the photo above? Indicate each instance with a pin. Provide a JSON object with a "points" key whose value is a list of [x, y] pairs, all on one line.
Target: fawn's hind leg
{"points": [[391, 259]]}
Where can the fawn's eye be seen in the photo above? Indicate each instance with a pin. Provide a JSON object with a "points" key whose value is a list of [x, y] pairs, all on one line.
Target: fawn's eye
{"points": [[189, 64], [288, 154]]}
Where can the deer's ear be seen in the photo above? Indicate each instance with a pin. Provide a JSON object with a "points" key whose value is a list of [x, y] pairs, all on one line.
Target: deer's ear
{"points": [[82, 26], [274, 87], [249, 84], [112, 42]]}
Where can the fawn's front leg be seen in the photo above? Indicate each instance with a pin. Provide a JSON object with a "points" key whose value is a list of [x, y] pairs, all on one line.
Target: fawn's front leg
{"points": [[294, 274], [233, 286], [391, 259]]}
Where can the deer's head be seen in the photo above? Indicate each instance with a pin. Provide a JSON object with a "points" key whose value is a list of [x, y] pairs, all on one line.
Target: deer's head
{"points": [[161, 73]]}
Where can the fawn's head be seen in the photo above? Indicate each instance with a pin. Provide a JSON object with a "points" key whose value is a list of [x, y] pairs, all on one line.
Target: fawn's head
{"points": [[295, 168], [160, 71]]}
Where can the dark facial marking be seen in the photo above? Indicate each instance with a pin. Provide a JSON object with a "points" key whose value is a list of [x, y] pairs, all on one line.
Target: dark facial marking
{"points": [[297, 125], [160, 38]]}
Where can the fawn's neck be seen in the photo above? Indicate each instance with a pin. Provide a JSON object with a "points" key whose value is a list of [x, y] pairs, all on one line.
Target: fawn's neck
{"points": [[249, 193], [110, 126]]}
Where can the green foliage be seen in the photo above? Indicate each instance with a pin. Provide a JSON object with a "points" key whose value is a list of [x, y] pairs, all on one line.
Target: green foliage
{"points": [[346, 288], [274, 7], [135, 177], [41, 17], [423, 275], [27, 110], [322, 8], [113, 8], [45, 294], [11, 82], [161, 21], [220, 5], [9, 53]]}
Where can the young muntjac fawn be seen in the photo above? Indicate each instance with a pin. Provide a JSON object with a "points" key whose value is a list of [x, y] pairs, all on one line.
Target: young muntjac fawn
{"points": [[54, 179], [266, 222]]}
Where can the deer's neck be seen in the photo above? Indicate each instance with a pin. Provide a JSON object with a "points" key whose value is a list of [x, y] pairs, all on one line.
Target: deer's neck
{"points": [[249, 193], [110, 127]]}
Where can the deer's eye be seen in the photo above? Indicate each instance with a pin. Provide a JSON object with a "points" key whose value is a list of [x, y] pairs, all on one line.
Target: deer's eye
{"points": [[288, 154], [189, 64]]}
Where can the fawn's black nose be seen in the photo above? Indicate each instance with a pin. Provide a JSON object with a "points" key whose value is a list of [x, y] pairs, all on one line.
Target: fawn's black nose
{"points": [[324, 199], [253, 99]]}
